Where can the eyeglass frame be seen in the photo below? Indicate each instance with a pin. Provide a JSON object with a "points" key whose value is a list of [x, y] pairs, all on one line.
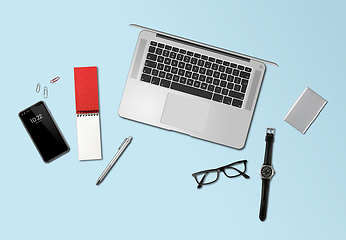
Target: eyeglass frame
{"points": [[218, 170]]}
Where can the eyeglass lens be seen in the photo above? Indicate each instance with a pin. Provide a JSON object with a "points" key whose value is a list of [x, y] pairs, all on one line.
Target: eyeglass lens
{"points": [[207, 177]]}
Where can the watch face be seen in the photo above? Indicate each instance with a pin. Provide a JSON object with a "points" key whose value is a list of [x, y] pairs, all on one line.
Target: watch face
{"points": [[266, 172]]}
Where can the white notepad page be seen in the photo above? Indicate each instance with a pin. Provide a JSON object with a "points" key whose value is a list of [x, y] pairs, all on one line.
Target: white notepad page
{"points": [[88, 137]]}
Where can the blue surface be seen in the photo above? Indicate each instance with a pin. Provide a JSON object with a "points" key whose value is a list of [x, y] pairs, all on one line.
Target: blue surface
{"points": [[150, 193]]}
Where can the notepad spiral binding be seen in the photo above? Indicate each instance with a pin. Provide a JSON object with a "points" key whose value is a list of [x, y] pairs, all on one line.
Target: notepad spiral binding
{"points": [[87, 113]]}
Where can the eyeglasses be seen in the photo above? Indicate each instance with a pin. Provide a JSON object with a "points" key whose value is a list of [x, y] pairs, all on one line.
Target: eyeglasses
{"points": [[212, 175]]}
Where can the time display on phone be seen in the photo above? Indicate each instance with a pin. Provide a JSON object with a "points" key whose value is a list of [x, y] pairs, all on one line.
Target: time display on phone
{"points": [[36, 119]]}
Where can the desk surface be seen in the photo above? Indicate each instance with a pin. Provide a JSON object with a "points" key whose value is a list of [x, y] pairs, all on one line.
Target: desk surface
{"points": [[150, 193]]}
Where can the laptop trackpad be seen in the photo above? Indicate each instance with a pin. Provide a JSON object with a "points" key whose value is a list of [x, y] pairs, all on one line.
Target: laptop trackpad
{"points": [[184, 112]]}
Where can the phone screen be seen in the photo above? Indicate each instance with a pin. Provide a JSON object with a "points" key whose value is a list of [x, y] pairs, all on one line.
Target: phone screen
{"points": [[44, 132]]}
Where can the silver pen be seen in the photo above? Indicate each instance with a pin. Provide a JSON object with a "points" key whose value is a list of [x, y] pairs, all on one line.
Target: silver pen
{"points": [[121, 149]]}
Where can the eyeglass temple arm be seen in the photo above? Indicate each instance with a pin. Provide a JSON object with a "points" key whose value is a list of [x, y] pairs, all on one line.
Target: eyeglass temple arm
{"points": [[200, 184]]}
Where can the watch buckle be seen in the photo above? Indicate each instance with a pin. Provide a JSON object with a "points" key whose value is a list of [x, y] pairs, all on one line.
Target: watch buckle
{"points": [[271, 130]]}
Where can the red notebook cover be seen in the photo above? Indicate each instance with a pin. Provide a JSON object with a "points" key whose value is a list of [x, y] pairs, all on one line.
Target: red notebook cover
{"points": [[86, 90]]}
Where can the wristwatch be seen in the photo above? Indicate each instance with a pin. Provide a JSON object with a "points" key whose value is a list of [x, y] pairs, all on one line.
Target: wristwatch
{"points": [[266, 172]]}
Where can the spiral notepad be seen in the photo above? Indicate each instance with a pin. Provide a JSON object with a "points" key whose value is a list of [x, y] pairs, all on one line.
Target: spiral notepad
{"points": [[87, 113]]}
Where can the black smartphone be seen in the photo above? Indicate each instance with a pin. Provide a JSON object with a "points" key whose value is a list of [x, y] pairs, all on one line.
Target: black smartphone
{"points": [[44, 132]]}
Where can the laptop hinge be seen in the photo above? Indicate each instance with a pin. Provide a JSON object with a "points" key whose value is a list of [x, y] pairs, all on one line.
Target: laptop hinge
{"points": [[203, 47]]}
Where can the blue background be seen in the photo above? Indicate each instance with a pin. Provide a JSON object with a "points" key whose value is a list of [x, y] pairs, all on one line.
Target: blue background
{"points": [[150, 193]]}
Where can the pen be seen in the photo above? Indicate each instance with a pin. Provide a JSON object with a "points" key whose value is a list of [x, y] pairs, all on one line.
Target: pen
{"points": [[121, 149]]}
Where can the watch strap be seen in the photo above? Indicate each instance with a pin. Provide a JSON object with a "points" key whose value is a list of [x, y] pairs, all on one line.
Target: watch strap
{"points": [[269, 146], [264, 199]]}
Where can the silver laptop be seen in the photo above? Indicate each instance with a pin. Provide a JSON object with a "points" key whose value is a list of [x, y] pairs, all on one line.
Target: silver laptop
{"points": [[192, 88]]}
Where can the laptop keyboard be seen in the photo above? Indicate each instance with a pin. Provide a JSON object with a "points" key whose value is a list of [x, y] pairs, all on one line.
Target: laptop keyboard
{"points": [[196, 74]]}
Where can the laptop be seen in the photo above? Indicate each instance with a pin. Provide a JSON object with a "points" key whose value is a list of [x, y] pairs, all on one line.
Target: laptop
{"points": [[192, 88]]}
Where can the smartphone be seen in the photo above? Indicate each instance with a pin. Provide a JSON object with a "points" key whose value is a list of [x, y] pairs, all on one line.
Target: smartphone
{"points": [[44, 132]]}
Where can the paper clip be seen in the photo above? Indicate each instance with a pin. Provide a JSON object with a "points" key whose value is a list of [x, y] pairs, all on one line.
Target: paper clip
{"points": [[54, 80], [38, 87], [45, 92]]}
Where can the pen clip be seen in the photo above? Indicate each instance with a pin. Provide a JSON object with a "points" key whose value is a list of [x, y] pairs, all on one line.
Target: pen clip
{"points": [[122, 144]]}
